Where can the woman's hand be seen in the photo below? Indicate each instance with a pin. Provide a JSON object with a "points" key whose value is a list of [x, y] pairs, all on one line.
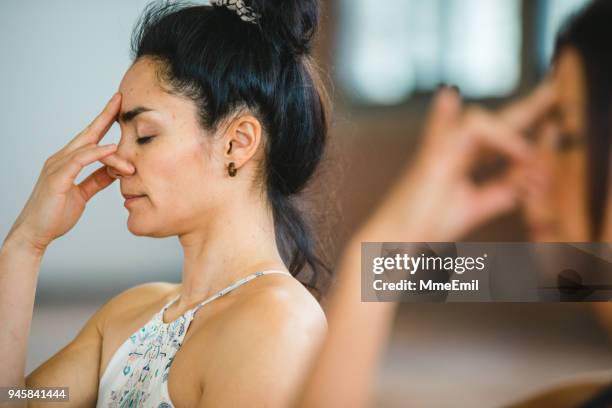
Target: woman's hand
{"points": [[436, 198], [56, 202]]}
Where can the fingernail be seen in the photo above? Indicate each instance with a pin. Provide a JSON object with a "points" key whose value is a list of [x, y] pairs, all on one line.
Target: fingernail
{"points": [[112, 99], [109, 146]]}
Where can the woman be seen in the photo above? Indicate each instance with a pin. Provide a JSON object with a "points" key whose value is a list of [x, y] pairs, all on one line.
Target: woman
{"points": [[222, 122], [563, 184], [454, 137], [572, 200]]}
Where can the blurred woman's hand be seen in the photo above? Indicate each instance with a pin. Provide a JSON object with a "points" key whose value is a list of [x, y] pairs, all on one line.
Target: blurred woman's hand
{"points": [[56, 202], [436, 198]]}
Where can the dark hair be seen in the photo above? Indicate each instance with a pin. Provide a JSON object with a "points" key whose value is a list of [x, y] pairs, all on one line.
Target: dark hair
{"points": [[589, 32], [225, 64]]}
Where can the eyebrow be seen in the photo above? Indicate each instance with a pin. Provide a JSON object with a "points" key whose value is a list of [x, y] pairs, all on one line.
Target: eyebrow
{"points": [[128, 116]]}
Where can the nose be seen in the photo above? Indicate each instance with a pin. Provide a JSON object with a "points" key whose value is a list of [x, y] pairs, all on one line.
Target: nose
{"points": [[114, 172], [119, 164]]}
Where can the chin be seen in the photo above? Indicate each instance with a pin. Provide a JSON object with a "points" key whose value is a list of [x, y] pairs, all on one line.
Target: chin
{"points": [[146, 229]]}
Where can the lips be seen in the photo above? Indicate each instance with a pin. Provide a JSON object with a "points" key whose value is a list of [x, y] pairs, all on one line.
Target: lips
{"points": [[130, 198]]}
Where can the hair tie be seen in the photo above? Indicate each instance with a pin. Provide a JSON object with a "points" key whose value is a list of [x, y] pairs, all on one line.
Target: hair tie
{"points": [[243, 11]]}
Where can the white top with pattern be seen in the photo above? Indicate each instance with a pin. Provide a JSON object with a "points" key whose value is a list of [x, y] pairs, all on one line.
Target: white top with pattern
{"points": [[137, 374]]}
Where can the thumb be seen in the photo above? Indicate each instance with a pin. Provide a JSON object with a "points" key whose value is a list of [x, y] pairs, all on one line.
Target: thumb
{"points": [[95, 182]]}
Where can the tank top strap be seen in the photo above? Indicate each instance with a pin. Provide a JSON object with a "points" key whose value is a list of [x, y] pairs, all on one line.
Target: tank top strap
{"points": [[236, 284], [170, 302]]}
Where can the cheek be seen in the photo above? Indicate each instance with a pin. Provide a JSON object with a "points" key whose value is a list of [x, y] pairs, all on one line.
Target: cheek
{"points": [[180, 179], [570, 178], [570, 195]]}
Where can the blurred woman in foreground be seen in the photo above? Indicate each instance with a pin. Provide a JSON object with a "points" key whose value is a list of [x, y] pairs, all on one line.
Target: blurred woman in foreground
{"points": [[563, 184]]}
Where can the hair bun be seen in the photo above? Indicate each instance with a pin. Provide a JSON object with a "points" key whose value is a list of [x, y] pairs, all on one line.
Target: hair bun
{"points": [[292, 23]]}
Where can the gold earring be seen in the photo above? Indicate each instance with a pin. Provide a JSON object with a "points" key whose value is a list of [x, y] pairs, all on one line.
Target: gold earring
{"points": [[231, 169]]}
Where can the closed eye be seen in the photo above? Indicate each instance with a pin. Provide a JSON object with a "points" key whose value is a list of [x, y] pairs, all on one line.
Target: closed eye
{"points": [[144, 140]]}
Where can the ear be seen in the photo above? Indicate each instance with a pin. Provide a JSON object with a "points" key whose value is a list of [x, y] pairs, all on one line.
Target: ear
{"points": [[242, 140]]}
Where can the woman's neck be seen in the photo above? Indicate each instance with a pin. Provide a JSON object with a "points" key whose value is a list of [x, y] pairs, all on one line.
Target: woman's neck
{"points": [[231, 246]]}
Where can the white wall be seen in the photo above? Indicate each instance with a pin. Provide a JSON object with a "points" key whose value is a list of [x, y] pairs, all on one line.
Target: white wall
{"points": [[61, 61]]}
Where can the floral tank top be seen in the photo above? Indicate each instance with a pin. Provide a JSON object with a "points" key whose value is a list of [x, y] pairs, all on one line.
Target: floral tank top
{"points": [[137, 374]]}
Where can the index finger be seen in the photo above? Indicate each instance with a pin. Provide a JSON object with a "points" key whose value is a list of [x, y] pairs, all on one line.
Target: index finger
{"points": [[486, 130], [444, 113], [524, 113], [94, 132]]}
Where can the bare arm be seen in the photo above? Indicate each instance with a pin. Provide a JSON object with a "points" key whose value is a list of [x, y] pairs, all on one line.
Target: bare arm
{"points": [[19, 265], [75, 366], [52, 209]]}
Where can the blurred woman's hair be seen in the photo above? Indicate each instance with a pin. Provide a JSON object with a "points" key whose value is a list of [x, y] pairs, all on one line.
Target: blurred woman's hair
{"points": [[228, 66], [589, 32]]}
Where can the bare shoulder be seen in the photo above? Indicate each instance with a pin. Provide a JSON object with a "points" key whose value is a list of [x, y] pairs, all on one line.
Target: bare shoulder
{"points": [[275, 310], [137, 297], [278, 302]]}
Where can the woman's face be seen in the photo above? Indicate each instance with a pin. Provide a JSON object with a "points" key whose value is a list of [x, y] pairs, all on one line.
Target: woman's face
{"points": [[176, 166], [556, 207]]}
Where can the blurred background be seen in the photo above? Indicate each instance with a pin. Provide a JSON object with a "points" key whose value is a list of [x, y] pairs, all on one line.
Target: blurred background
{"points": [[382, 61]]}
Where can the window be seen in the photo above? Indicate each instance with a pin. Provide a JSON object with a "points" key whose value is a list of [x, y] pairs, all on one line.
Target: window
{"points": [[553, 14], [389, 50]]}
